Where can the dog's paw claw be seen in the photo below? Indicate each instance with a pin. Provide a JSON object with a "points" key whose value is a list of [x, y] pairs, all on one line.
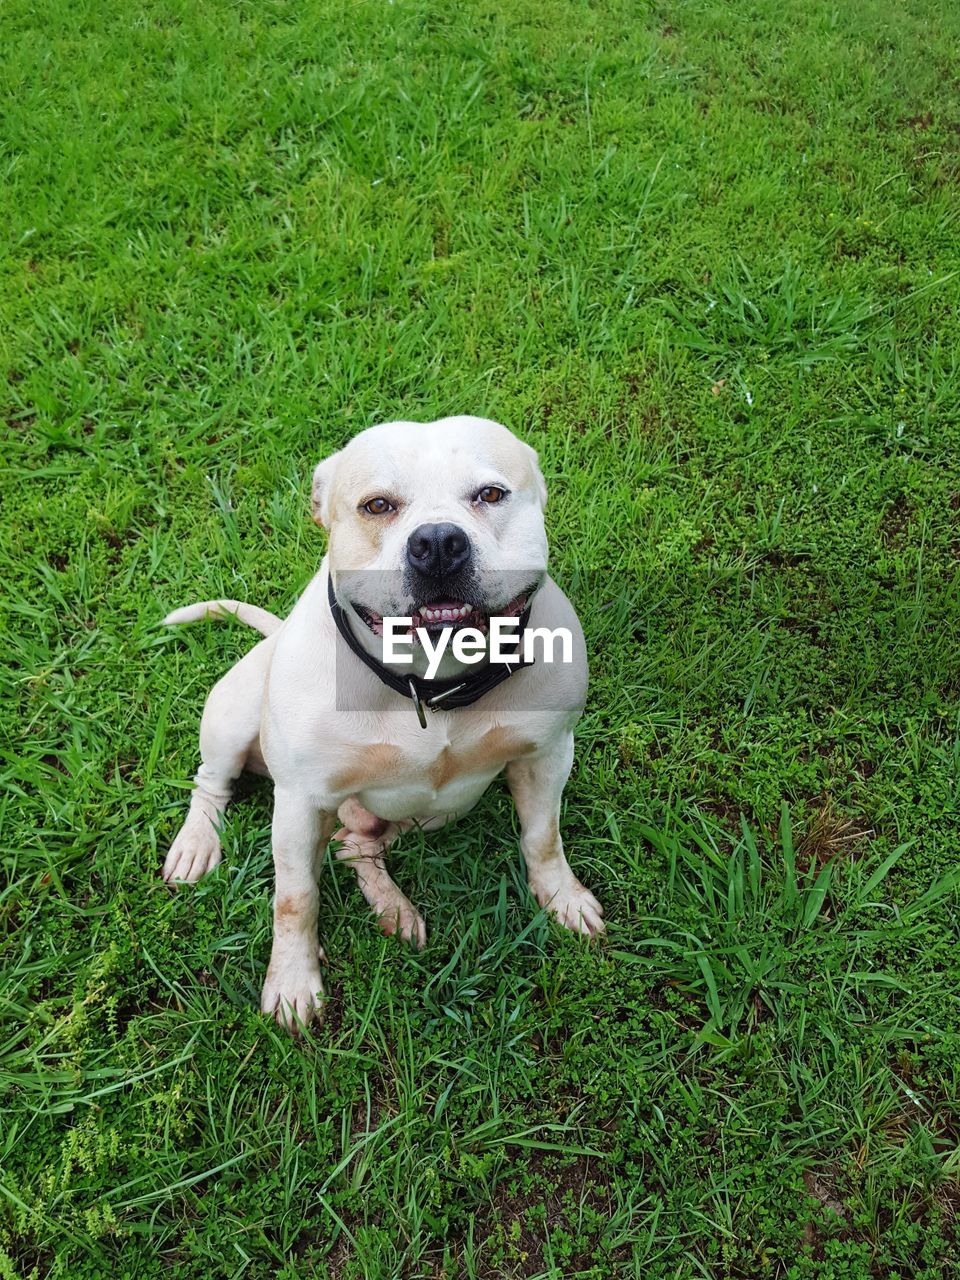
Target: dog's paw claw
{"points": [[573, 905], [404, 919], [293, 997], [194, 852]]}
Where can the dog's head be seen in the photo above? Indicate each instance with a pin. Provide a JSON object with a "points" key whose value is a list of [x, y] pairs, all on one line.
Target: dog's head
{"points": [[438, 521]]}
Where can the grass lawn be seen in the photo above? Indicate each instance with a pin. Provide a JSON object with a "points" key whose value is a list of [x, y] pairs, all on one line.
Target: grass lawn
{"points": [[704, 257]]}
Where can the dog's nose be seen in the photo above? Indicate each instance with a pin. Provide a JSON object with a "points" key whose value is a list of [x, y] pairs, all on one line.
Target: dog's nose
{"points": [[438, 549]]}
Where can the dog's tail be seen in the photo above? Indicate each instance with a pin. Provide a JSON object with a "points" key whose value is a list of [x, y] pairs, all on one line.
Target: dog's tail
{"points": [[264, 622]]}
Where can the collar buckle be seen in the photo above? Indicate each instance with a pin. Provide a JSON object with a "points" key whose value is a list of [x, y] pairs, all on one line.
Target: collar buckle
{"points": [[439, 697], [422, 703], [418, 703]]}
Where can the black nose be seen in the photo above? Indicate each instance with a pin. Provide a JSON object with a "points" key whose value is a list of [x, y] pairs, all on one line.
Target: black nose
{"points": [[436, 550]]}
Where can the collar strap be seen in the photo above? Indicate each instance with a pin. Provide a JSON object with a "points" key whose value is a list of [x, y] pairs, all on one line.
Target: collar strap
{"points": [[438, 695]]}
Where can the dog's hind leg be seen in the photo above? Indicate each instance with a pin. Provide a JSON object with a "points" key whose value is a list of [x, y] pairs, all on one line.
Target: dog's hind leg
{"points": [[365, 840], [229, 742]]}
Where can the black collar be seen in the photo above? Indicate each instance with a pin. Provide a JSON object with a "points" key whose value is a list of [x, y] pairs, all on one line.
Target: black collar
{"points": [[442, 695]]}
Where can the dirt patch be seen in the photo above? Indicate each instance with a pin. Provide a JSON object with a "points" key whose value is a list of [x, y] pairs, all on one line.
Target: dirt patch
{"points": [[564, 1199], [332, 1011], [895, 522], [822, 1186], [309, 1249], [779, 559], [947, 1196], [725, 812], [367, 1117], [116, 541]]}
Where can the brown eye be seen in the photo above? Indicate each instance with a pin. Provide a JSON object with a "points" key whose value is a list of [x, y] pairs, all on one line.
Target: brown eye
{"points": [[378, 506], [491, 493]]}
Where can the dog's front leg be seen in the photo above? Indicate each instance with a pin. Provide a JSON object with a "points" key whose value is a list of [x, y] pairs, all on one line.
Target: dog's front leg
{"points": [[536, 784], [293, 987]]}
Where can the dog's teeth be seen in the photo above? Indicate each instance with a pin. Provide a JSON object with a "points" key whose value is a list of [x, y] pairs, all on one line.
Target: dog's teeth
{"points": [[446, 613]]}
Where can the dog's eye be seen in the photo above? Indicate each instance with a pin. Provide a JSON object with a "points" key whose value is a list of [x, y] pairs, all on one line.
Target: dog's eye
{"points": [[378, 506], [491, 493]]}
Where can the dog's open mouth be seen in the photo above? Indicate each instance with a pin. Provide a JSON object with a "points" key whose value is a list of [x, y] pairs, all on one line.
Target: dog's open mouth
{"points": [[440, 614]]}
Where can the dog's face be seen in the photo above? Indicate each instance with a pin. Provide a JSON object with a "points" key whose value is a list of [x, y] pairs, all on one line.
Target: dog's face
{"points": [[439, 521]]}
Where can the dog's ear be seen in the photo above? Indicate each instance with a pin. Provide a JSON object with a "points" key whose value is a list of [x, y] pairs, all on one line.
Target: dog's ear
{"points": [[320, 493], [539, 481]]}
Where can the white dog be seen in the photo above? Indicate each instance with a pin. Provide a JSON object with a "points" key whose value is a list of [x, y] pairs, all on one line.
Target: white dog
{"points": [[442, 523]]}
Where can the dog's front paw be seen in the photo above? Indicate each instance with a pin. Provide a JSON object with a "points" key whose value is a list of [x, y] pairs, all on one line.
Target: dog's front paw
{"points": [[194, 852], [293, 994], [571, 903]]}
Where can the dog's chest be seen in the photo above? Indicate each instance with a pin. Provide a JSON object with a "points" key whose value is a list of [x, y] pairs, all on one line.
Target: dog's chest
{"points": [[439, 773]]}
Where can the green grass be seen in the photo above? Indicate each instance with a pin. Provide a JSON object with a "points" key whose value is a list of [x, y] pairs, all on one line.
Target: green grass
{"points": [[704, 257]]}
